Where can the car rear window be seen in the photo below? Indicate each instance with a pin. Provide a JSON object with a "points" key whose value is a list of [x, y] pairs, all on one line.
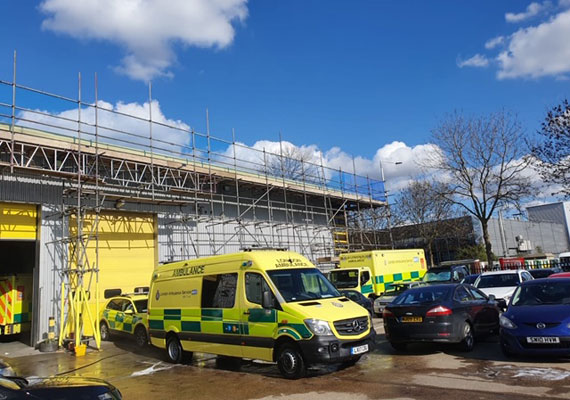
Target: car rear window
{"points": [[423, 295], [498, 280], [550, 292]]}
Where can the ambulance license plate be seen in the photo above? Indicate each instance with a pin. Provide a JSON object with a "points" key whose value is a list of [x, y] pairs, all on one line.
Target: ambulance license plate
{"points": [[411, 319], [542, 339], [359, 349]]}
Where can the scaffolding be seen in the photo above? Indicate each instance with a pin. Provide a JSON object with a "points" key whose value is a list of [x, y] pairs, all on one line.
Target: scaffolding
{"points": [[226, 194]]}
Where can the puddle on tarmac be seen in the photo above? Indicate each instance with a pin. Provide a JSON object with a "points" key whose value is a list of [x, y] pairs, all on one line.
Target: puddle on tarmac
{"points": [[155, 367], [323, 396]]}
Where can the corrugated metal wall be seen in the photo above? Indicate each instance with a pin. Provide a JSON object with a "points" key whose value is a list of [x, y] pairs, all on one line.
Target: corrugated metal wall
{"points": [[51, 263], [550, 237], [181, 239]]}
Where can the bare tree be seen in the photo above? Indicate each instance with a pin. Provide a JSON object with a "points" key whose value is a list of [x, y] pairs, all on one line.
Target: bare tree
{"points": [[294, 163], [422, 204], [552, 151], [482, 159]]}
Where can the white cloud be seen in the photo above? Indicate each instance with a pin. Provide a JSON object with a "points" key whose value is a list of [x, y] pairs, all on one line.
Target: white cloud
{"points": [[148, 30], [497, 41], [532, 10], [478, 61], [537, 51], [116, 126]]}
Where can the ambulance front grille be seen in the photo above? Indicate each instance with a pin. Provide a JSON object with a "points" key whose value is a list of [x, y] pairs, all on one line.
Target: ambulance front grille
{"points": [[353, 326]]}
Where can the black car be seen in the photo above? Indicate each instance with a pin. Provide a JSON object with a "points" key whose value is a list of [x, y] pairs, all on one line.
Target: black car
{"points": [[448, 313], [357, 297], [543, 272], [60, 388]]}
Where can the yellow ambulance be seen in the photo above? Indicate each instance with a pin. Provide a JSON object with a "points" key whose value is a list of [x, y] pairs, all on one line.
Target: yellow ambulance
{"points": [[125, 314], [15, 303], [373, 272], [271, 305]]}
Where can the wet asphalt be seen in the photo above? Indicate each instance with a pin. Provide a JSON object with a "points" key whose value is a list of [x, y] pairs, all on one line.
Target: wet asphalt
{"points": [[422, 372]]}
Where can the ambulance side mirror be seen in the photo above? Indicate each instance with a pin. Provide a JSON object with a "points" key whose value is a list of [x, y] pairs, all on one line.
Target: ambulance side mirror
{"points": [[267, 301], [129, 311]]}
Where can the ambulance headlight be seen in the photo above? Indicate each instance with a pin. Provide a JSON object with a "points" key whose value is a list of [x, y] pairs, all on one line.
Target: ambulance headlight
{"points": [[319, 327]]}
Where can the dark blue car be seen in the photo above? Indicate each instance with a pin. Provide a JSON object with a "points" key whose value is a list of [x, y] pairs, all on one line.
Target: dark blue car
{"points": [[538, 319]]}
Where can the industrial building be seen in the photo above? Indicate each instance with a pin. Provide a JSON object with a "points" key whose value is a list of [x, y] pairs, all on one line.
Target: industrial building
{"points": [[88, 206]]}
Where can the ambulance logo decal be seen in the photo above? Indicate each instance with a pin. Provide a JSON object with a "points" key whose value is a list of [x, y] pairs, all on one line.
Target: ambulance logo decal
{"points": [[337, 304]]}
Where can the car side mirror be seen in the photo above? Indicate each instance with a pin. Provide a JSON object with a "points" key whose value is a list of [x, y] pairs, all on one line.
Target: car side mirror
{"points": [[129, 311], [492, 297], [267, 301]]}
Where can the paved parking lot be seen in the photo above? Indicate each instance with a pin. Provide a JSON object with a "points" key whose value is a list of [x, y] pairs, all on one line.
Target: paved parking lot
{"points": [[424, 372]]}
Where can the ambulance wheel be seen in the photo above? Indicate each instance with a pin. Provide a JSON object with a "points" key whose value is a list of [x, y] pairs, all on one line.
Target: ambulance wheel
{"points": [[140, 336], [105, 332], [290, 362], [174, 349]]}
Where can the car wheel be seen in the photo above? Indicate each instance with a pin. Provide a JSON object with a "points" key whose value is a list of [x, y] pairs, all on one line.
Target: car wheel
{"points": [[399, 346], [174, 349], [141, 337], [468, 341], [290, 362], [104, 331]]}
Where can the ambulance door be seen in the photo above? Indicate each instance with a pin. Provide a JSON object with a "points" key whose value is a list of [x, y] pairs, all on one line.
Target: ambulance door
{"points": [[258, 324], [128, 314]]}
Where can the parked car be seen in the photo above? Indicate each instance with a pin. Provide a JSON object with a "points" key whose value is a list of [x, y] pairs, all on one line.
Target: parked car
{"points": [[60, 388], [126, 314], [470, 279], [501, 284], [447, 313], [387, 297], [538, 319], [560, 275], [448, 273], [357, 297], [543, 272]]}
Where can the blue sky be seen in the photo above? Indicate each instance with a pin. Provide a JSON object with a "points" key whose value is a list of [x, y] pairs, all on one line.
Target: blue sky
{"points": [[358, 75]]}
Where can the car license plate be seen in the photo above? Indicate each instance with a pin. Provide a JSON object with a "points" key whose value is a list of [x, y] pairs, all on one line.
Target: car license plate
{"points": [[359, 349], [412, 319], [542, 339]]}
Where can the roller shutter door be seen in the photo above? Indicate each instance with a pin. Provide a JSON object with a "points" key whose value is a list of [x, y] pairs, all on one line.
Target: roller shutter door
{"points": [[18, 221]]}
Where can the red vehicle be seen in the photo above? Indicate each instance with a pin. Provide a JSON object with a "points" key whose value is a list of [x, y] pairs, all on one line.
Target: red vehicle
{"points": [[560, 275], [511, 263]]}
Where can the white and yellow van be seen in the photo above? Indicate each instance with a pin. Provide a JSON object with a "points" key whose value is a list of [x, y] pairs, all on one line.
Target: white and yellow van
{"points": [[374, 272], [271, 305]]}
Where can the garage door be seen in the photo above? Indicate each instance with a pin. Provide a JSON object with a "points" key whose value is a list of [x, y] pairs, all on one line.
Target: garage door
{"points": [[127, 250], [18, 221]]}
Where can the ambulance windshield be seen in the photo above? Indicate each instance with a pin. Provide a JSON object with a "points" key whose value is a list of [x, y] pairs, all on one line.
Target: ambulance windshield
{"points": [[302, 284], [344, 278]]}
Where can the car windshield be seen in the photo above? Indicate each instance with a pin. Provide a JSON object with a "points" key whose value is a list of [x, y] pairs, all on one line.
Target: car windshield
{"points": [[424, 295], [437, 276], [394, 290], [344, 278], [498, 280], [550, 292], [302, 284], [141, 305]]}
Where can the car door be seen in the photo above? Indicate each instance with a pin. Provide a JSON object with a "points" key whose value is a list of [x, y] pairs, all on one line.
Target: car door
{"points": [[488, 313], [258, 324], [464, 304], [129, 311], [115, 315]]}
